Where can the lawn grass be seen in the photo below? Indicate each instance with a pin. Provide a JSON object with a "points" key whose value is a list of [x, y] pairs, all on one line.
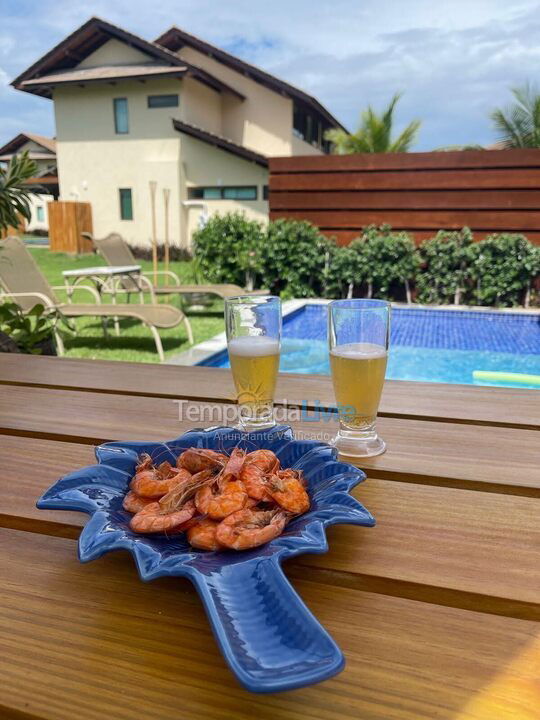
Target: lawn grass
{"points": [[135, 343]]}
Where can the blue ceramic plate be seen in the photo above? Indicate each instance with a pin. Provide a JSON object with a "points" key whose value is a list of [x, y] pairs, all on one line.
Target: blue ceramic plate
{"points": [[270, 639]]}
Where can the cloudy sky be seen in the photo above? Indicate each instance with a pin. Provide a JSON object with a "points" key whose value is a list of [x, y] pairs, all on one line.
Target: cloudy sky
{"points": [[454, 60]]}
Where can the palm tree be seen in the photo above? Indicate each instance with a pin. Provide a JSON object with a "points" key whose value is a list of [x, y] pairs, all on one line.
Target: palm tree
{"points": [[519, 125], [374, 134], [14, 197]]}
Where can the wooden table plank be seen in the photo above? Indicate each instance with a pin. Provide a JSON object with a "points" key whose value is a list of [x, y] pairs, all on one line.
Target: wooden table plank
{"points": [[487, 458], [93, 642], [429, 401], [416, 550]]}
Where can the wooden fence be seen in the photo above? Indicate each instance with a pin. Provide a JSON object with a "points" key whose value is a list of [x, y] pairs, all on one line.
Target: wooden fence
{"points": [[487, 190], [67, 222]]}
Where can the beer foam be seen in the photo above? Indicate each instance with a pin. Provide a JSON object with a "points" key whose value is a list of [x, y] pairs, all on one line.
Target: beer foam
{"points": [[253, 346], [359, 351]]}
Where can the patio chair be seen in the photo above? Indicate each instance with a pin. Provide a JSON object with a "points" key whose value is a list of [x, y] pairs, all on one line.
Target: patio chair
{"points": [[116, 251], [22, 280]]}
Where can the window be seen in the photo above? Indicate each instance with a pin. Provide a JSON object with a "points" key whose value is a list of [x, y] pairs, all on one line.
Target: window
{"points": [[240, 193], [40, 214], [299, 123], [126, 204], [231, 192], [265, 192], [161, 101], [121, 117], [309, 128]]}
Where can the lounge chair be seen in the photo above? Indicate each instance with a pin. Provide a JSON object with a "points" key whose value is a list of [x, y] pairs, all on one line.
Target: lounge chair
{"points": [[22, 280], [115, 250]]}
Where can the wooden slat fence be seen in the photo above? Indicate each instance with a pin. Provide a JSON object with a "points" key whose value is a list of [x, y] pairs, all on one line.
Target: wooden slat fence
{"points": [[488, 190], [67, 222]]}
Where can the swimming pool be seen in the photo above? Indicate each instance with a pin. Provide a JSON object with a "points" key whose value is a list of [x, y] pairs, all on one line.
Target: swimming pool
{"points": [[428, 345]]}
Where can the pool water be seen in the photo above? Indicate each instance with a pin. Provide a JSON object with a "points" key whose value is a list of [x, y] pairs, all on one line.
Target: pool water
{"points": [[426, 345]]}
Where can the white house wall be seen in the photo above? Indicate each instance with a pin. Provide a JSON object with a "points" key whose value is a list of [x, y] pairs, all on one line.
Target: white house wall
{"points": [[262, 122], [301, 147], [201, 106], [115, 52], [38, 201], [94, 162], [207, 166]]}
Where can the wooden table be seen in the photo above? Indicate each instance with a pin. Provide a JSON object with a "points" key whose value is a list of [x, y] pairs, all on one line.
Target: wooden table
{"points": [[436, 608]]}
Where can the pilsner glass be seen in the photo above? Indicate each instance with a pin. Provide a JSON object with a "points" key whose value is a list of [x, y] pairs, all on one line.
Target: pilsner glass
{"points": [[358, 333], [253, 325]]}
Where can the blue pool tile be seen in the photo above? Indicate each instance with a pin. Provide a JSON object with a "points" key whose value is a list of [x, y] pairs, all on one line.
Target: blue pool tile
{"points": [[426, 345]]}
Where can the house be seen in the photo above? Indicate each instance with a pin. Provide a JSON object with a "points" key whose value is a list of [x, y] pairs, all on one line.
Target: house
{"points": [[42, 150], [178, 112]]}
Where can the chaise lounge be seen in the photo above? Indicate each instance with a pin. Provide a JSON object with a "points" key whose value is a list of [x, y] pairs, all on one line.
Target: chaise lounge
{"points": [[115, 250], [22, 280]]}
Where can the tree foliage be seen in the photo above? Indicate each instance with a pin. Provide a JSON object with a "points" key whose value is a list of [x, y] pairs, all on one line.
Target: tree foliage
{"points": [[375, 133], [14, 196], [445, 272], [389, 260], [518, 126], [346, 272], [503, 265], [227, 249], [294, 259]]}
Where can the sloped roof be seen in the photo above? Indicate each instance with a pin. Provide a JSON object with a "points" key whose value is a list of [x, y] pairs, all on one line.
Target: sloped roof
{"points": [[104, 72], [220, 142], [88, 38], [11, 147], [175, 39]]}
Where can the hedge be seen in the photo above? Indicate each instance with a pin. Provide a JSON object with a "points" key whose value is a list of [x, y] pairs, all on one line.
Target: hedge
{"points": [[293, 259], [227, 249]]}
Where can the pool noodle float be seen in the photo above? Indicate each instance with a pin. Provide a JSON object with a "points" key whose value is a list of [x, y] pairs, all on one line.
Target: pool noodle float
{"points": [[487, 375]]}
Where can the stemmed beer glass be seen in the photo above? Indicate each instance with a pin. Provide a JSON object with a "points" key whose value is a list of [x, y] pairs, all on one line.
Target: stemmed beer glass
{"points": [[253, 327], [358, 334]]}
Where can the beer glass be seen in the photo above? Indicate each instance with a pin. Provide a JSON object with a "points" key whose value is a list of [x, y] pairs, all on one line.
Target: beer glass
{"points": [[358, 334], [253, 326]]}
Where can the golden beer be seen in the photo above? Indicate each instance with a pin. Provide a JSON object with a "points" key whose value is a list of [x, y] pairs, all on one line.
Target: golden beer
{"points": [[358, 371], [254, 364]]}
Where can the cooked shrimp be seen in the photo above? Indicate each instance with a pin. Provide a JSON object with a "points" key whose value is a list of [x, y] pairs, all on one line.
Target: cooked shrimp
{"points": [[152, 484], [234, 464], [165, 469], [202, 535], [152, 519], [287, 489], [263, 459], [252, 476], [222, 501], [145, 463], [133, 502], [186, 489], [197, 459], [249, 528]]}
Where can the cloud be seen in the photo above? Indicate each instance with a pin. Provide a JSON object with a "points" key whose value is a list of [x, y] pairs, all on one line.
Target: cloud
{"points": [[453, 61]]}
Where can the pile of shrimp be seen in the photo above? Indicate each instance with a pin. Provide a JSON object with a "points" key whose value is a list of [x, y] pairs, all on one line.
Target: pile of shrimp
{"points": [[221, 502]]}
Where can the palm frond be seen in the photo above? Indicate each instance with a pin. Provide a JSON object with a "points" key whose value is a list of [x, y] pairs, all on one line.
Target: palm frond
{"points": [[14, 195], [374, 134], [518, 126], [404, 141]]}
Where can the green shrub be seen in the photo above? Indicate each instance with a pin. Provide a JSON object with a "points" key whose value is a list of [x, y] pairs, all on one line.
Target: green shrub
{"points": [[345, 271], [503, 265], [445, 273], [227, 249], [389, 261], [294, 259]]}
